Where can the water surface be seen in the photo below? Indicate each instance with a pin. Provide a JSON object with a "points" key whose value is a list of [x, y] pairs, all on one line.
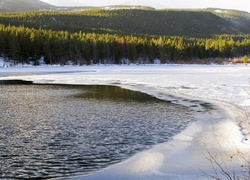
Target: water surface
{"points": [[49, 131]]}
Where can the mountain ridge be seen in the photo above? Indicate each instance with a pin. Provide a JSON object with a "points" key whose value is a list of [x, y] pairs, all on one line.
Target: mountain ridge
{"points": [[127, 20], [24, 5]]}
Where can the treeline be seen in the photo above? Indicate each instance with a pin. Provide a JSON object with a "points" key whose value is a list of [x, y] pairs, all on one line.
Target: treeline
{"points": [[25, 45]]}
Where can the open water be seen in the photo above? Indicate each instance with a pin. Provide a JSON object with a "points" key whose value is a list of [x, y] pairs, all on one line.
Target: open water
{"points": [[53, 131]]}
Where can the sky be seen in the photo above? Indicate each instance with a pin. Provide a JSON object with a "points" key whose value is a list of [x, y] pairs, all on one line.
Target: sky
{"points": [[224, 4]]}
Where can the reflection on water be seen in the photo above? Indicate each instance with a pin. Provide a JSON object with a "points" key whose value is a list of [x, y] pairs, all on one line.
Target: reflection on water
{"points": [[51, 131]]}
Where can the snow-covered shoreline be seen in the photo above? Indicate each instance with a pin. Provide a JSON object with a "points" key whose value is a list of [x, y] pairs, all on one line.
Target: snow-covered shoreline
{"points": [[184, 157]]}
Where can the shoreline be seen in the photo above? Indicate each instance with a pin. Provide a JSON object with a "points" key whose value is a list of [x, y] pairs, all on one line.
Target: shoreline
{"points": [[186, 150]]}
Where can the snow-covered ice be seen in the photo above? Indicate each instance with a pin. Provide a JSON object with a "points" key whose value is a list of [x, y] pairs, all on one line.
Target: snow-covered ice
{"points": [[186, 155]]}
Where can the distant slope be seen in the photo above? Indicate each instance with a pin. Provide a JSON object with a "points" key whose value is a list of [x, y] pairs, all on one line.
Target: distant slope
{"points": [[32, 5], [24, 5], [147, 3], [239, 18], [137, 21]]}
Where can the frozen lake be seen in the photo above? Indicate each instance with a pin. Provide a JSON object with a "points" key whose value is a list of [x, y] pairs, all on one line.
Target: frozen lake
{"points": [[182, 156]]}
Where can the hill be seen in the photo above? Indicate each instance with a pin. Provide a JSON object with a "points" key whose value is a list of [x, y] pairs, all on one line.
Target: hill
{"points": [[24, 5], [125, 19], [136, 21], [240, 18]]}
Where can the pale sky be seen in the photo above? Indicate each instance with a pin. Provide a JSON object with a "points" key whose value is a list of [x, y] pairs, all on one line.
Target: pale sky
{"points": [[224, 4]]}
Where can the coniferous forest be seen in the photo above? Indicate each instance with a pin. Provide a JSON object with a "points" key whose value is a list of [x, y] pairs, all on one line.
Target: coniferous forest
{"points": [[99, 36]]}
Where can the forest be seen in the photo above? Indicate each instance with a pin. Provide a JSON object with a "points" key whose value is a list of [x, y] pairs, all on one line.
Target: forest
{"points": [[58, 41], [202, 23]]}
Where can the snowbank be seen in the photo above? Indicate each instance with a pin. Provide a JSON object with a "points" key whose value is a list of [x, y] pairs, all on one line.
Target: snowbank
{"points": [[186, 155]]}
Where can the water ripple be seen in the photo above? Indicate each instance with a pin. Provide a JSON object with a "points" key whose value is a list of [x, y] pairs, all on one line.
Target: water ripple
{"points": [[50, 131]]}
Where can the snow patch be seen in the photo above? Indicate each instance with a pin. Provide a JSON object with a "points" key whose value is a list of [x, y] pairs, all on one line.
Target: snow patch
{"points": [[1, 62], [220, 11], [143, 3]]}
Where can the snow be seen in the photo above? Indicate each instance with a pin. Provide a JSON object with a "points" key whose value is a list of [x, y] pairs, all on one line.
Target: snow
{"points": [[145, 3], [215, 134], [1, 5], [220, 11], [1, 62]]}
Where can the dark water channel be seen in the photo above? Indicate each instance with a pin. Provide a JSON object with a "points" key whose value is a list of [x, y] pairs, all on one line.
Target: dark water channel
{"points": [[49, 131]]}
